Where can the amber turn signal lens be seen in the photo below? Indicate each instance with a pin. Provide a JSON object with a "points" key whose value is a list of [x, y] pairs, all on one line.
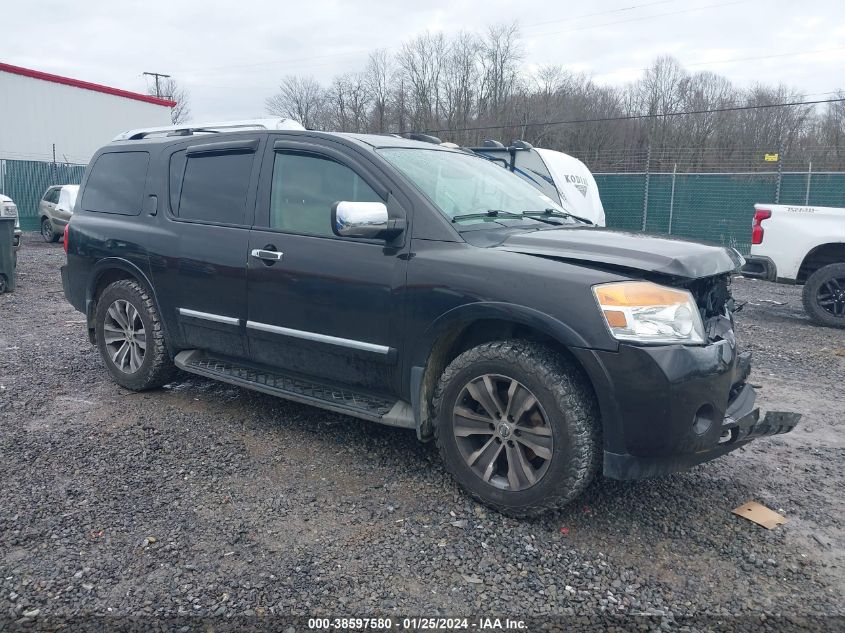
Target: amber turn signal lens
{"points": [[615, 318], [638, 293]]}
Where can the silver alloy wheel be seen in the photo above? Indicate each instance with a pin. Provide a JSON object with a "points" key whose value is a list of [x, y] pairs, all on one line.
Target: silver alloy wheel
{"points": [[125, 338], [502, 432], [47, 230]]}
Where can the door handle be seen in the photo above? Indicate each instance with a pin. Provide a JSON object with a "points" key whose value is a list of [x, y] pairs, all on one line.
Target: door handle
{"points": [[267, 255]]}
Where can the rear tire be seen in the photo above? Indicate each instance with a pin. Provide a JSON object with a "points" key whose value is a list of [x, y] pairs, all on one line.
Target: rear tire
{"points": [[540, 446], [824, 295], [47, 231], [130, 337]]}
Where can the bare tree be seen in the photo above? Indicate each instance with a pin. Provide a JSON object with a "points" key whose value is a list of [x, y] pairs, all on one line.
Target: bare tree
{"points": [[170, 89], [299, 98], [378, 77], [461, 83], [466, 82], [421, 61], [501, 55], [348, 101]]}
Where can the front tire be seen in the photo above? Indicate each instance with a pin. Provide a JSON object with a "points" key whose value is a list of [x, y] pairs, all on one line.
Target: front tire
{"points": [[47, 231], [824, 295], [130, 337], [517, 427]]}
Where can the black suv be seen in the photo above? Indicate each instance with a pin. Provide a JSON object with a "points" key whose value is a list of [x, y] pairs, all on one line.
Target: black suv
{"points": [[417, 286]]}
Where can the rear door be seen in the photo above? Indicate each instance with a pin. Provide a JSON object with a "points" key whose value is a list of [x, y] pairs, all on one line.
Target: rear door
{"points": [[328, 307], [199, 260], [48, 201]]}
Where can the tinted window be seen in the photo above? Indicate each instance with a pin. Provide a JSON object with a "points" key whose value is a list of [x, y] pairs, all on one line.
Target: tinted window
{"points": [[177, 170], [116, 183], [305, 188], [214, 187], [52, 195]]}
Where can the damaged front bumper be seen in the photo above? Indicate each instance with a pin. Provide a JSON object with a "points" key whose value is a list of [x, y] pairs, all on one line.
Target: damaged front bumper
{"points": [[667, 408]]}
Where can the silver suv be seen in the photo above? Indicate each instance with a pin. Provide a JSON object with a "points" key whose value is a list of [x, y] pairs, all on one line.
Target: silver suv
{"points": [[55, 210]]}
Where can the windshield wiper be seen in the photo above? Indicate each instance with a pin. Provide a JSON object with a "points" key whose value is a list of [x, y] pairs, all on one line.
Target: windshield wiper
{"points": [[490, 213], [555, 213]]}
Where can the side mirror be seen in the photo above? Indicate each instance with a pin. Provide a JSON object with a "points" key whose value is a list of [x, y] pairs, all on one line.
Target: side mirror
{"points": [[363, 219]]}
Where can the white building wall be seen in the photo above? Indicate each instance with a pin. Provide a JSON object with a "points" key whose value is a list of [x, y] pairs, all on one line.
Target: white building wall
{"points": [[35, 113]]}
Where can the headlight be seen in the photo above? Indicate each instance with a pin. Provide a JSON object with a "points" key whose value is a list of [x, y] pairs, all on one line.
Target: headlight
{"points": [[645, 312], [8, 210]]}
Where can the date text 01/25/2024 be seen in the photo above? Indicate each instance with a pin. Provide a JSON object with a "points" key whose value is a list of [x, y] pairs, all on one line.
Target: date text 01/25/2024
{"points": [[416, 624]]}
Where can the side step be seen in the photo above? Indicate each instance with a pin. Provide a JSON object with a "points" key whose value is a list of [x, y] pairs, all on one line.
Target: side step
{"points": [[339, 399]]}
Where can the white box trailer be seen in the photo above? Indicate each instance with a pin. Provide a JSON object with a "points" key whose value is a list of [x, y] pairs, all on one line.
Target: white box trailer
{"points": [[563, 178]]}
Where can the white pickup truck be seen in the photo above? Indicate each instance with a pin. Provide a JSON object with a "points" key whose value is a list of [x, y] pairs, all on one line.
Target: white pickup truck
{"points": [[802, 245]]}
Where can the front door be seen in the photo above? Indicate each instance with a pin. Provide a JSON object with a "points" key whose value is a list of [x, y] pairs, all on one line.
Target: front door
{"points": [[321, 305]]}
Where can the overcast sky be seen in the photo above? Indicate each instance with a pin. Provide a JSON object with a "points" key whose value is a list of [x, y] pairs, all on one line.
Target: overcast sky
{"points": [[230, 56]]}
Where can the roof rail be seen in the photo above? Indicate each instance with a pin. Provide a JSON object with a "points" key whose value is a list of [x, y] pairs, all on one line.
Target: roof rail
{"points": [[209, 128], [425, 138]]}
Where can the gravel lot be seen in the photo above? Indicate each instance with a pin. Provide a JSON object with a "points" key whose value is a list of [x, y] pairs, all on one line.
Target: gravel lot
{"points": [[206, 500]]}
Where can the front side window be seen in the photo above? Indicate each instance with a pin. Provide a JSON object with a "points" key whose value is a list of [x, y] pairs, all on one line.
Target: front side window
{"points": [[214, 187], [116, 183], [459, 183], [304, 189], [51, 195]]}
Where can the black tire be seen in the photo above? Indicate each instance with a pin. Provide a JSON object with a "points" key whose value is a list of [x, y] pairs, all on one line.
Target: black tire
{"points": [[47, 231], [570, 410], [156, 368], [826, 285]]}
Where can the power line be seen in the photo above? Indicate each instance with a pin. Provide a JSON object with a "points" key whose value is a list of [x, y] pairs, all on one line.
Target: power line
{"points": [[630, 117], [641, 18], [598, 13], [728, 61], [258, 66]]}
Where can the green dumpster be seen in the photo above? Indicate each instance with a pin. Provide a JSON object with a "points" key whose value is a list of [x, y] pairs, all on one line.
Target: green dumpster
{"points": [[7, 254]]}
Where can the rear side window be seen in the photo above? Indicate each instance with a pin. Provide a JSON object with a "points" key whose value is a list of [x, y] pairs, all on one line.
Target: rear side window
{"points": [[116, 183], [213, 188]]}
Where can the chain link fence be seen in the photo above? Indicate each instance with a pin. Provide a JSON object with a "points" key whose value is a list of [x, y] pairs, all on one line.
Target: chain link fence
{"points": [[711, 207], [703, 205], [25, 181]]}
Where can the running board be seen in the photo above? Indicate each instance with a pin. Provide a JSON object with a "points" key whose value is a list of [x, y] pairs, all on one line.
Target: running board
{"points": [[339, 399]]}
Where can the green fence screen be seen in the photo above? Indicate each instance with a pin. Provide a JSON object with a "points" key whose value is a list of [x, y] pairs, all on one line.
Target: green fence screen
{"points": [[709, 207], [712, 207], [25, 181]]}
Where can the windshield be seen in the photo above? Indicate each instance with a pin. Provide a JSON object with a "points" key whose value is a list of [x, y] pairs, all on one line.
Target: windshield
{"points": [[462, 184]]}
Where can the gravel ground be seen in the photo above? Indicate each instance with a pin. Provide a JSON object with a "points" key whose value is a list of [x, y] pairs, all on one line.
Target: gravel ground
{"points": [[204, 500]]}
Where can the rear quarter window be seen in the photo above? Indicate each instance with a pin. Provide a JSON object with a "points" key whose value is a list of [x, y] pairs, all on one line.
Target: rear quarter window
{"points": [[116, 183]]}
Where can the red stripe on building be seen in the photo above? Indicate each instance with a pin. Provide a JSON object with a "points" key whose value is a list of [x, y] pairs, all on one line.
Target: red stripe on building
{"points": [[85, 85]]}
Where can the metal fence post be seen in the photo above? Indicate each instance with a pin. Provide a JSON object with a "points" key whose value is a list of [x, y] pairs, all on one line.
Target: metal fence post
{"points": [[809, 179], [647, 178], [780, 175], [672, 197]]}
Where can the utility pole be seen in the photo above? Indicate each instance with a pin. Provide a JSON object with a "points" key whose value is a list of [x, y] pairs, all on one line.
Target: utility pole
{"points": [[157, 77]]}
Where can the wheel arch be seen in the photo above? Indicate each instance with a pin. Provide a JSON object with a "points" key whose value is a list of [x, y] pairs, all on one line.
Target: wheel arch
{"points": [[104, 273], [471, 325], [819, 257]]}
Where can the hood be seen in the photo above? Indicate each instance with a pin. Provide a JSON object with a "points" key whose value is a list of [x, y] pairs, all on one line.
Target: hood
{"points": [[663, 255]]}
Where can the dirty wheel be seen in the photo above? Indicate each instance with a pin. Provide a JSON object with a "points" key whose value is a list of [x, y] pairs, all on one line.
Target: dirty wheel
{"points": [[47, 231], [517, 426], [130, 337], [824, 295]]}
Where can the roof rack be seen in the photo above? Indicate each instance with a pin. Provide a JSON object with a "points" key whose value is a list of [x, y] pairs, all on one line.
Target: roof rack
{"points": [[492, 147], [209, 128], [425, 138]]}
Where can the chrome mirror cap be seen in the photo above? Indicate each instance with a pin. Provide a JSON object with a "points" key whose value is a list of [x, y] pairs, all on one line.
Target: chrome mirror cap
{"points": [[359, 219]]}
